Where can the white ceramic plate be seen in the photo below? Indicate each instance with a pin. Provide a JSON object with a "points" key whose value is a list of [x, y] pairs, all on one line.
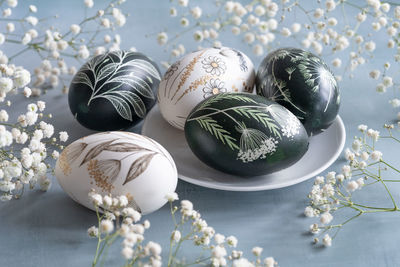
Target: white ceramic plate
{"points": [[324, 149]]}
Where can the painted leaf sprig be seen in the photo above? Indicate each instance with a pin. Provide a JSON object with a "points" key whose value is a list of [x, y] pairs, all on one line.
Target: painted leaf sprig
{"points": [[117, 69], [220, 97], [95, 151], [109, 169], [139, 166], [218, 131], [260, 116], [263, 114]]}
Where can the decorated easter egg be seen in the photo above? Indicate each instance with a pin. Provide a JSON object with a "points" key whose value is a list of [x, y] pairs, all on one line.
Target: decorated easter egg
{"points": [[114, 91], [245, 134], [199, 75], [117, 163], [303, 83]]}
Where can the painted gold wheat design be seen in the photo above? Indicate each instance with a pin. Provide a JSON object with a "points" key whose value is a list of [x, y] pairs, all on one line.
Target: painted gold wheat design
{"points": [[188, 71], [194, 85], [63, 162]]}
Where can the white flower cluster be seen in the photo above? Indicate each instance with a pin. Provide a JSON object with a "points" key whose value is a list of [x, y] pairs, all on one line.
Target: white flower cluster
{"points": [[260, 22], [349, 32], [149, 254], [334, 191], [292, 127], [205, 236], [53, 46], [13, 78], [25, 149], [265, 147], [129, 229]]}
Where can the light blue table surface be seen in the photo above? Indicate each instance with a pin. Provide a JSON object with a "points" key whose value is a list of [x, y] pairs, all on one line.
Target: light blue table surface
{"points": [[49, 229]]}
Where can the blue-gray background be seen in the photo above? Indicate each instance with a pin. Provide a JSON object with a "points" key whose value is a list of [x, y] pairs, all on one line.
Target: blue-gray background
{"points": [[49, 229]]}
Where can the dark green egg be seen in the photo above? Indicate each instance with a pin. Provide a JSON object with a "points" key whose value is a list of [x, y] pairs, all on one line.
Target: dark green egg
{"points": [[303, 83], [114, 91], [245, 134]]}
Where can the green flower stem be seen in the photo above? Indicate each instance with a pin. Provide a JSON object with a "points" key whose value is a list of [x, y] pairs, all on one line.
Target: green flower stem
{"points": [[307, 14], [369, 207], [182, 33], [374, 182], [99, 240], [369, 174], [171, 242], [107, 245], [102, 247], [395, 208], [198, 261], [15, 125], [186, 237], [390, 137], [19, 53], [390, 166]]}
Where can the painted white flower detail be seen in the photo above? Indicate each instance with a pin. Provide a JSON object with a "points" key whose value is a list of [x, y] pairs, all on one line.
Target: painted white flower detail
{"points": [[292, 127], [214, 65], [254, 144], [213, 87]]}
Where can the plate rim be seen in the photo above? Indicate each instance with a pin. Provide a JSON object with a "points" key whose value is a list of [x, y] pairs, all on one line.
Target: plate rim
{"points": [[301, 179]]}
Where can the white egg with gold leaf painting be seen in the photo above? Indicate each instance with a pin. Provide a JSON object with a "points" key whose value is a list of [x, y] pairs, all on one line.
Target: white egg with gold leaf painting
{"points": [[118, 163], [199, 75]]}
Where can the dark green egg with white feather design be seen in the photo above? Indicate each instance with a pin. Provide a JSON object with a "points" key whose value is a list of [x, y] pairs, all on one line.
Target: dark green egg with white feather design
{"points": [[303, 83], [114, 90], [245, 134]]}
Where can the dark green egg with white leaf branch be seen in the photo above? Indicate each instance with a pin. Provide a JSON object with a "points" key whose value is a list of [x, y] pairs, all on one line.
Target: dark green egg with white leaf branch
{"points": [[303, 83], [114, 91], [245, 134]]}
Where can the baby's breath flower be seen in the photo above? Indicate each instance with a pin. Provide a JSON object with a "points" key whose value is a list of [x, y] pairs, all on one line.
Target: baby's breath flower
{"points": [[162, 38], [352, 186], [176, 236], [96, 199], [327, 240], [376, 155], [270, 262], [231, 241], [89, 3], [326, 218], [127, 252], [75, 28], [196, 12], [198, 36], [7, 12], [93, 231], [257, 251], [154, 248], [370, 46], [218, 252], [32, 8], [106, 226], [172, 196]]}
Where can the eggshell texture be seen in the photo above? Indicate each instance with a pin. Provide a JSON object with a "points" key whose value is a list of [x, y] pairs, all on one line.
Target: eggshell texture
{"points": [[245, 134], [114, 91], [199, 75], [119, 163], [303, 83]]}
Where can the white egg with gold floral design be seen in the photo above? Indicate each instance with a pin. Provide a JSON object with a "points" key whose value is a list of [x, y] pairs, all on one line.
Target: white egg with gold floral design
{"points": [[118, 163], [199, 75]]}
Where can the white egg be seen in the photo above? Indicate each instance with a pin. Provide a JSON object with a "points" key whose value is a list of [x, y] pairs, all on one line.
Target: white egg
{"points": [[118, 163], [199, 75]]}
